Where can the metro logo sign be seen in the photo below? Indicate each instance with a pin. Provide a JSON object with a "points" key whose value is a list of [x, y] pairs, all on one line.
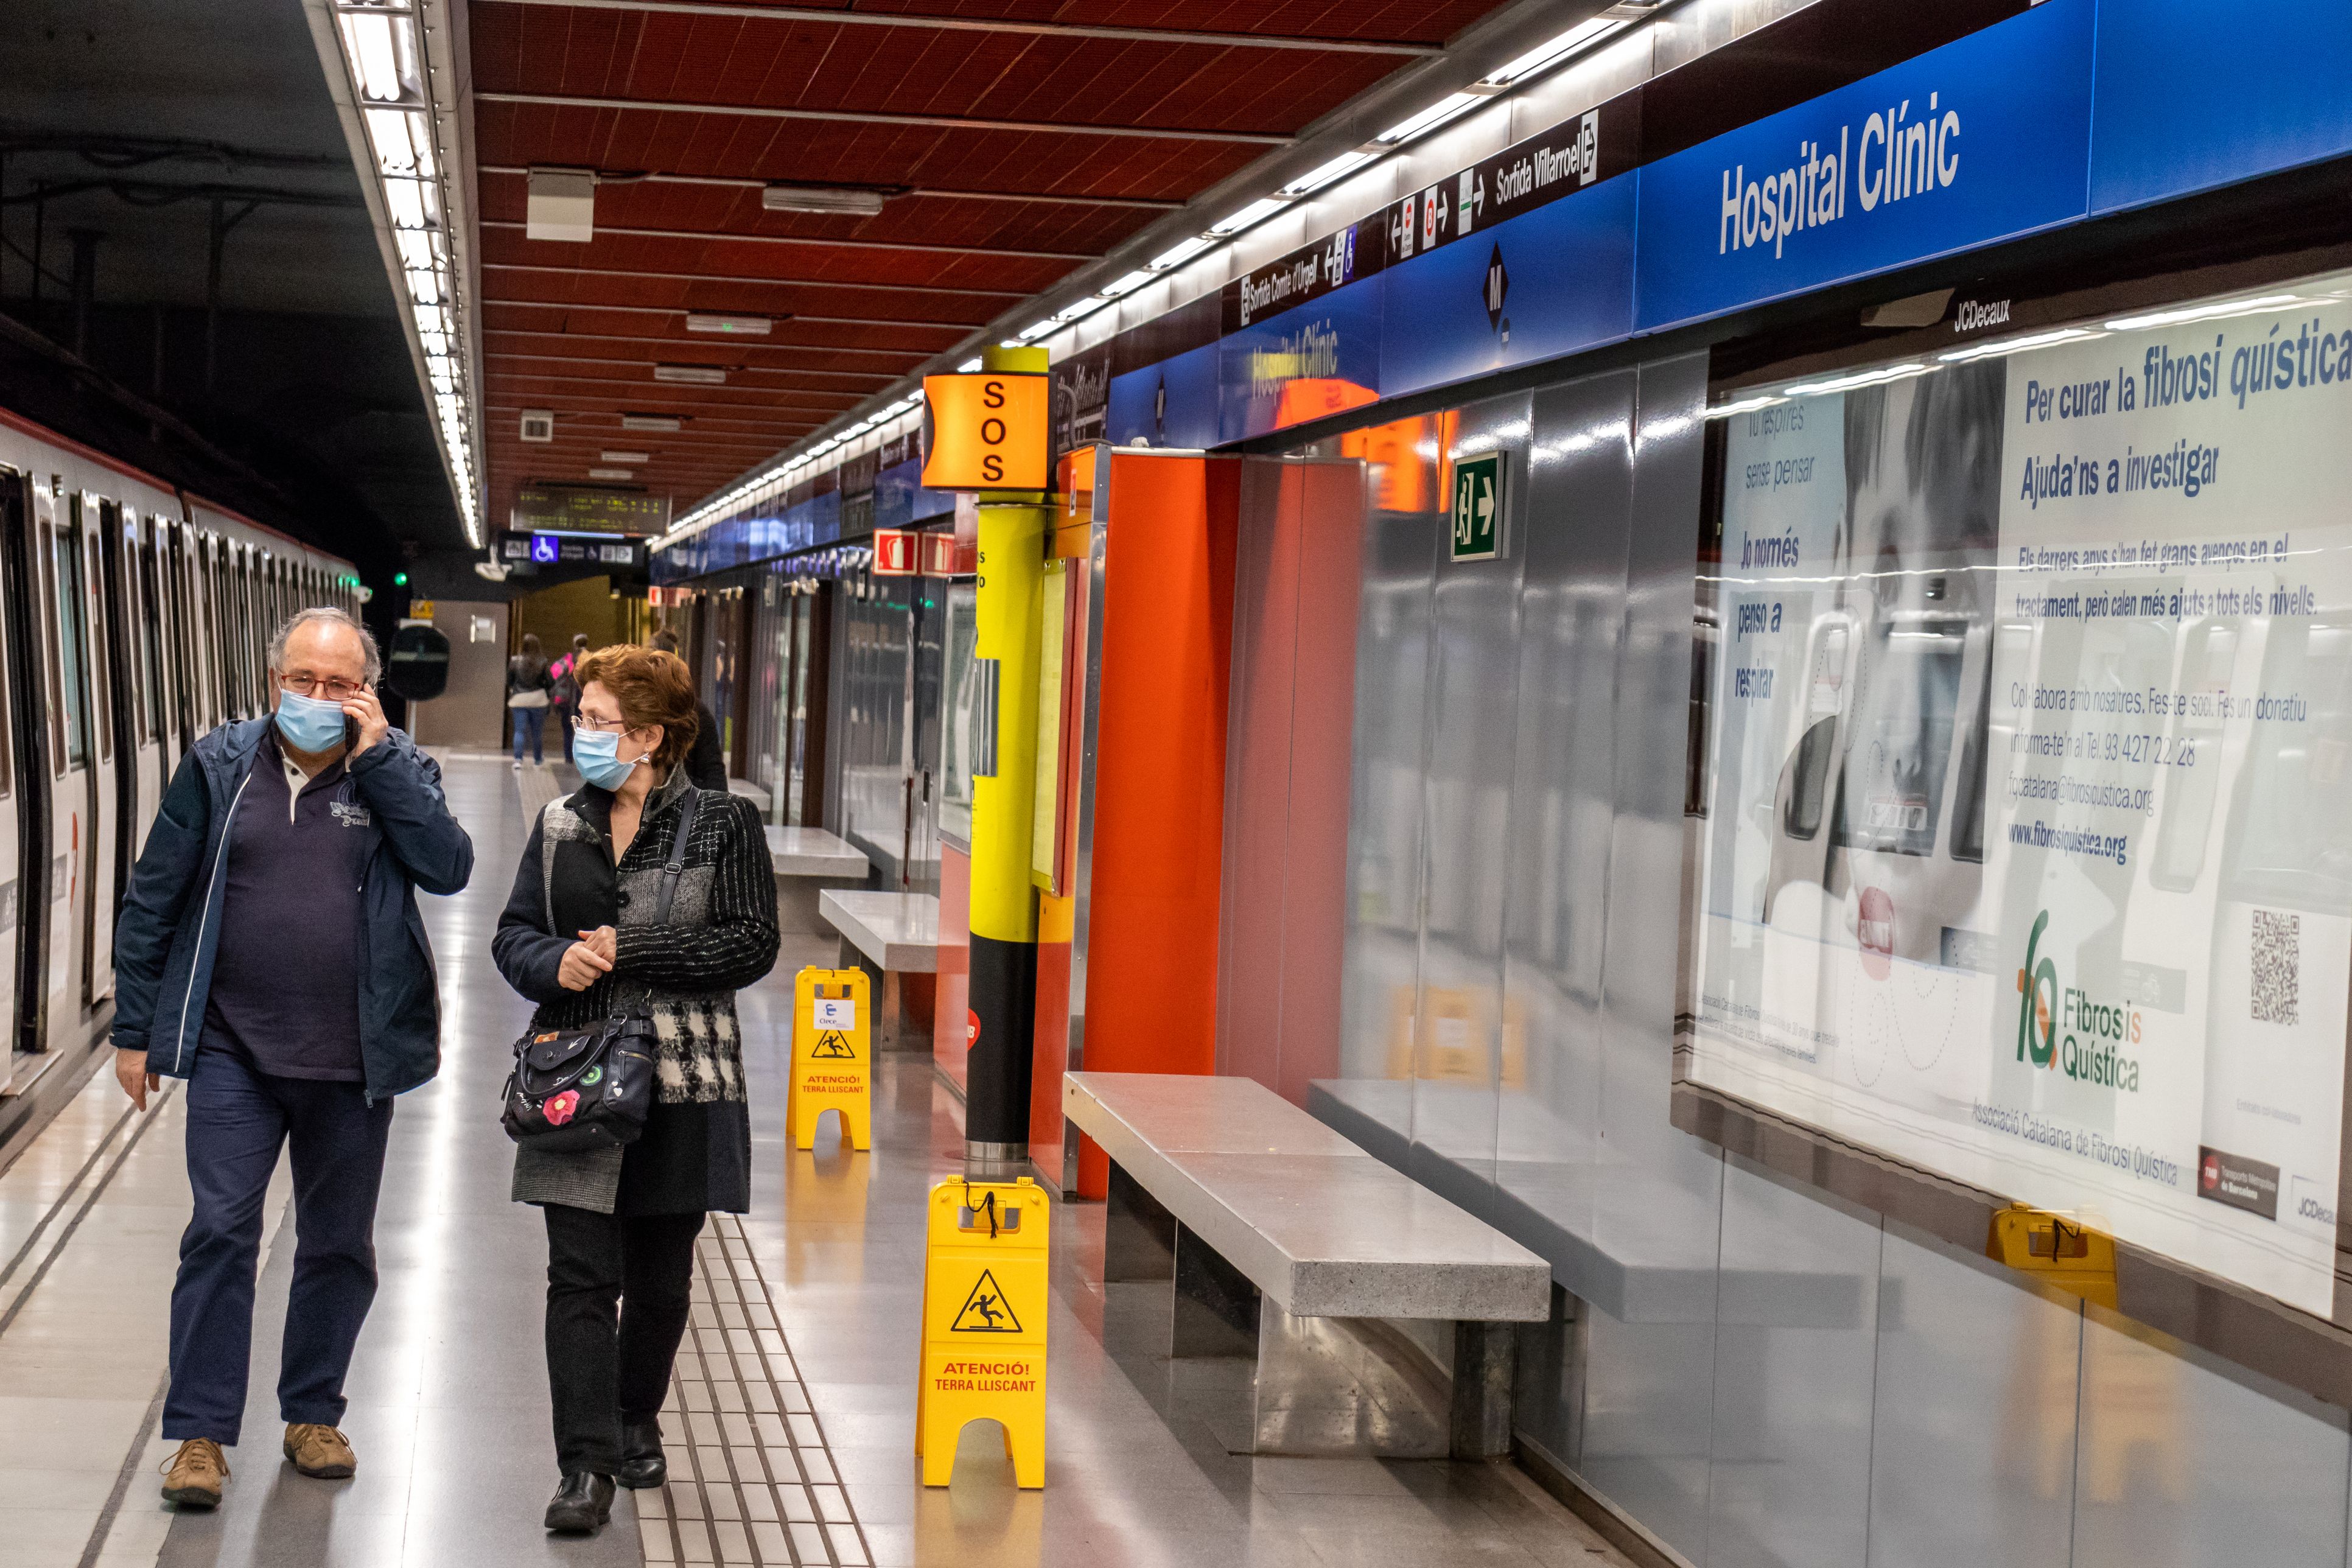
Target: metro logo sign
{"points": [[985, 432]]}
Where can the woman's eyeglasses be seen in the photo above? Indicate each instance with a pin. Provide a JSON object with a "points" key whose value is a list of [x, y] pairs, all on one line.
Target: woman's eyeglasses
{"points": [[604, 726]]}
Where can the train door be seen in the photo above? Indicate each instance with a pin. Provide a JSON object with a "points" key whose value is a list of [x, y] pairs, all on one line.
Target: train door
{"points": [[139, 726], [24, 860], [70, 755], [116, 545], [96, 519]]}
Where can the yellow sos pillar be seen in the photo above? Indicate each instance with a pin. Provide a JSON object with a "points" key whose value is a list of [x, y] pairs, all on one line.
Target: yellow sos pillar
{"points": [[987, 434]]}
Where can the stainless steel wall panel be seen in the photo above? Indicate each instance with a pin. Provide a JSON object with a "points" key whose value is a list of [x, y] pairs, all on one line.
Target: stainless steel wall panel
{"points": [[1563, 822], [2184, 1460], [1463, 1042], [1380, 970], [1795, 1352], [1972, 1447]]}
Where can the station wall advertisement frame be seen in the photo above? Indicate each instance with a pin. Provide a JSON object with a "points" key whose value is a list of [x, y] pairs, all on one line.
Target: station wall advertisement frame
{"points": [[2027, 850]]}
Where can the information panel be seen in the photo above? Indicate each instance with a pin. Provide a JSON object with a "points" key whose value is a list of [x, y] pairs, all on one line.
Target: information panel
{"points": [[2028, 850]]}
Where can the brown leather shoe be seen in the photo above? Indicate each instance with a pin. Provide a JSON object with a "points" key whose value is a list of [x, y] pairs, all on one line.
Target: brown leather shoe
{"points": [[193, 1478], [320, 1451]]}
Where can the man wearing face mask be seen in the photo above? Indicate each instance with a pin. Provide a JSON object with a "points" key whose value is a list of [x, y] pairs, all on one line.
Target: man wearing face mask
{"points": [[270, 952]]}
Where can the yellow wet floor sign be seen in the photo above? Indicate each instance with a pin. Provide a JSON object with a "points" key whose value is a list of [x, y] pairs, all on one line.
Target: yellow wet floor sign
{"points": [[984, 1323], [832, 1056]]}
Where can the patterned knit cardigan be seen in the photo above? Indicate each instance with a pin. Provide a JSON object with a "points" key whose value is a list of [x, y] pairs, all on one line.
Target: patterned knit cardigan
{"points": [[721, 935]]}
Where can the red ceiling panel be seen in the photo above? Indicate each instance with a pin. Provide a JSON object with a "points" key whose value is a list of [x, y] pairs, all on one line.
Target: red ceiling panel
{"points": [[857, 302]]}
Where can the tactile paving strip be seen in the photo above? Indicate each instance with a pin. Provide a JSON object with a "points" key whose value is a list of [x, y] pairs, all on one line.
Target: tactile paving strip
{"points": [[751, 1479]]}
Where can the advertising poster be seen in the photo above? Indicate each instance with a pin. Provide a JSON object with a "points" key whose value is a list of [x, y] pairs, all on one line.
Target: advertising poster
{"points": [[2028, 850]]}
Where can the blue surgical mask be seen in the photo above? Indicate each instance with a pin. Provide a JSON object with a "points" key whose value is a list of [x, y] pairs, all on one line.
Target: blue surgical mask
{"points": [[307, 724], [597, 754]]}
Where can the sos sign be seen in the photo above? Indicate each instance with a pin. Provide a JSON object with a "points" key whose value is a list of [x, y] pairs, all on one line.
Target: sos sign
{"points": [[985, 432]]}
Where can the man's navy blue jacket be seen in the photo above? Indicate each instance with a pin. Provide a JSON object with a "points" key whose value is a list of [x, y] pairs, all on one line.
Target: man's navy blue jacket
{"points": [[170, 927]]}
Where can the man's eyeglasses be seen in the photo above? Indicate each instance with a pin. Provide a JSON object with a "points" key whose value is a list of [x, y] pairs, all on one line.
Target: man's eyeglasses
{"points": [[324, 690]]}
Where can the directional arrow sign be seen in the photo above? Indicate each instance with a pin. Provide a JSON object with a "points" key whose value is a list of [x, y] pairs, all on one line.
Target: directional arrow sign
{"points": [[1477, 508]]}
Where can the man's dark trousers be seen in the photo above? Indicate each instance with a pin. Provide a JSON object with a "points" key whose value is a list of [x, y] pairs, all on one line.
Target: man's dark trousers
{"points": [[238, 1120]]}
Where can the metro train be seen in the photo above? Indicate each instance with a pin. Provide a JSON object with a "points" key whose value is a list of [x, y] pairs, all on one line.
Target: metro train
{"points": [[134, 616]]}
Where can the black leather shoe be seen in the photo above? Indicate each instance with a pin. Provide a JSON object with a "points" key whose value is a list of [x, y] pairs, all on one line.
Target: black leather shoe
{"points": [[581, 1504], [641, 1463]]}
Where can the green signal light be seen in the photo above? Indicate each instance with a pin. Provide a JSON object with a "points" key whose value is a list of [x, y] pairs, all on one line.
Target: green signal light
{"points": [[400, 579]]}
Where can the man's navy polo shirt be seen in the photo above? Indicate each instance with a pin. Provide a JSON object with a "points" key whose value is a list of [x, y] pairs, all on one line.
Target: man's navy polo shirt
{"points": [[284, 989]]}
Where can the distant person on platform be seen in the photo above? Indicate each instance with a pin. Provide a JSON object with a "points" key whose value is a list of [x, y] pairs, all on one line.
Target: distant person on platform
{"points": [[269, 952], [705, 767], [565, 677], [531, 693]]}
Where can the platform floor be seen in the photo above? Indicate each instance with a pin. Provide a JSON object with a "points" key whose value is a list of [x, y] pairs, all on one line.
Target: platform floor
{"points": [[793, 1424]]}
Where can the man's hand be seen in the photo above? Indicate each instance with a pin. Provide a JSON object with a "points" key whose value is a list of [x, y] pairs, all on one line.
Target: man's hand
{"points": [[605, 943], [581, 967], [368, 712], [131, 1071]]}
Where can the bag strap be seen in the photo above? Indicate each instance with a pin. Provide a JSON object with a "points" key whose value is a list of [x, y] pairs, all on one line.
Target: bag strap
{"points": [[676, 866], [672, 868]]}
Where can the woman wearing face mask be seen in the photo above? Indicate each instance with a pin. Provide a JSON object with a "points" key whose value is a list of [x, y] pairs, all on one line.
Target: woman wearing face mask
{"points": [[578, 938]]}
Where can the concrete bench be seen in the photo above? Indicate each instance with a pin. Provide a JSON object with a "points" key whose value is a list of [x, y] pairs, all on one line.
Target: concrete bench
{"points": [[1343, 1278], [894, 937], [807, 861]]}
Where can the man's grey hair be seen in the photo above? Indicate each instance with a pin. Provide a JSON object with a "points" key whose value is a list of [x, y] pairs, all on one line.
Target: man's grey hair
{"points": [[331, 617]]}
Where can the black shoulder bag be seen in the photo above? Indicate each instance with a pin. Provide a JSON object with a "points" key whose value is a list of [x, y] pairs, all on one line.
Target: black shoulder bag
{"points": [[577, 1090]]}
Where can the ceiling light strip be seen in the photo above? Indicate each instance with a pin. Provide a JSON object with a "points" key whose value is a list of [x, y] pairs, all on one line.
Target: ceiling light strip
{"points": [[936, 23], [724, 237], [880, 117], [940, 193], [401, 121], [1574, 44]]}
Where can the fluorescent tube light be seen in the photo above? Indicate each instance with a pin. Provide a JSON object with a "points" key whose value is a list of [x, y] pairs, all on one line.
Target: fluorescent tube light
{"points": [[1338, 168], [1038, 329], [627, 456], [1877, 376], [1995, 350], [821, 199], [967, 366], [650, 422], [729, 326], [1257, 213], [1452, 106], [692, 375], [609, 474], [1178, 255], [1543, 56], [2218, 310], [1127, 285]]}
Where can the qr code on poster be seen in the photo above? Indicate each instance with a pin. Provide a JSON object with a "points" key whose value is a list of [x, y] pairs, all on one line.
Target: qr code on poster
{"points": [[2274, 957]]}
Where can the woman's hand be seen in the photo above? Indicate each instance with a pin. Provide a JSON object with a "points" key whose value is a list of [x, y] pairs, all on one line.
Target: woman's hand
{"points": [[581, 967], [605, 941]]}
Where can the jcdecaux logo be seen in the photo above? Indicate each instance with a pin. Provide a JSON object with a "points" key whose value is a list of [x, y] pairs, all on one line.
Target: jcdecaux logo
{"points": [[2091, 1031]]}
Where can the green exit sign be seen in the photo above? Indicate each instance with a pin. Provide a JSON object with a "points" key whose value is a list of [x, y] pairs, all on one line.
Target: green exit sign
{"points": [[1477, 507]]}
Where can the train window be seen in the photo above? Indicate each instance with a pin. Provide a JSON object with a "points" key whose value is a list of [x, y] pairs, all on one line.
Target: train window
{"points": [[67, 575], [93, 599], [46, 568], [150, 634]]}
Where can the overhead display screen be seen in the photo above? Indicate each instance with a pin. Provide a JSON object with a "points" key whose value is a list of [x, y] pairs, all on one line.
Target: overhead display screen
{"points": [[2027, 855]]}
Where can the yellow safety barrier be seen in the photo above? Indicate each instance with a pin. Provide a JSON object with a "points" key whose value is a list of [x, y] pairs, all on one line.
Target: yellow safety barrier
{"points": [[984, 1323], [832, 1057]]}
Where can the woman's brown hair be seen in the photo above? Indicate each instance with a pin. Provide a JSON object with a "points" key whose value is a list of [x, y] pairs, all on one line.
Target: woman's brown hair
{"points": [[652, 687]]}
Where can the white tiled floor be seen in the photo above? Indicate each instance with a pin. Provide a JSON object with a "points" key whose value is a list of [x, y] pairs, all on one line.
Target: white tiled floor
{"points": [[449, 1402]]}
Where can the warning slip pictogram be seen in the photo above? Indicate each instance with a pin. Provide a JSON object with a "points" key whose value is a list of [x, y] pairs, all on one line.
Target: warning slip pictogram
{"points": [[985, 1311], [832, 1047]]}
